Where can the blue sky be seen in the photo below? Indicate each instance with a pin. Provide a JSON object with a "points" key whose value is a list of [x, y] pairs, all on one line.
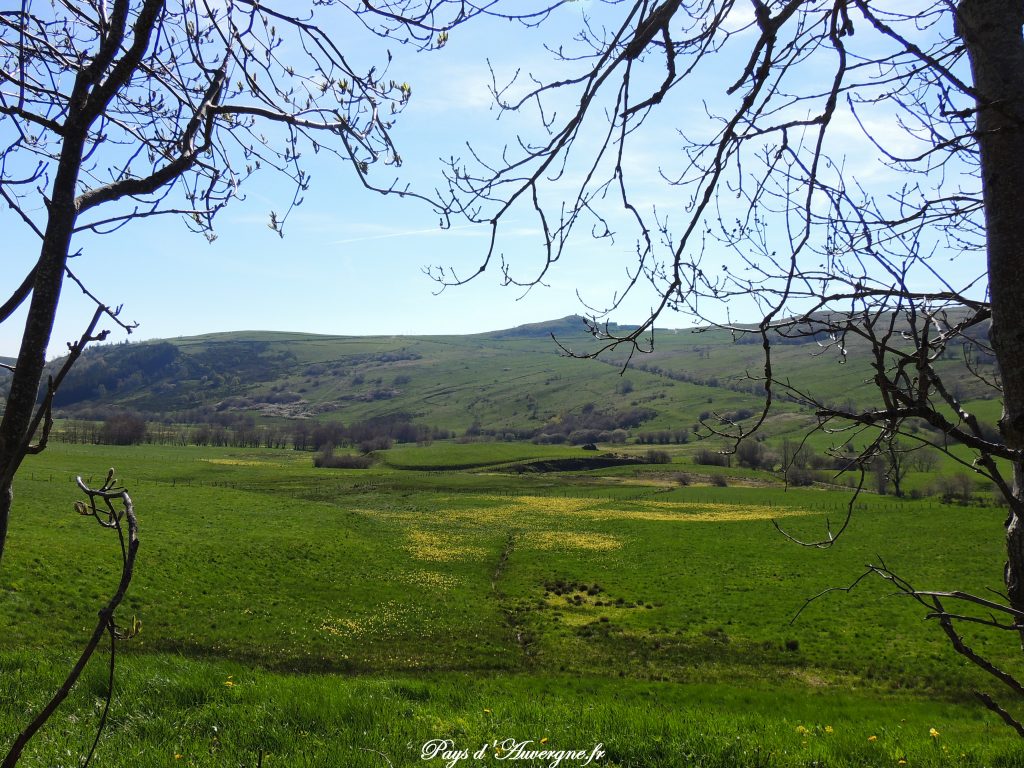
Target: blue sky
{"points": [[351, 261]]}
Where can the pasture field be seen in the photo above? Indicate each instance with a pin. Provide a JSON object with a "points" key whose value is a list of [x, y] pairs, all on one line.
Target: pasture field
{"points": [[329, 617]]}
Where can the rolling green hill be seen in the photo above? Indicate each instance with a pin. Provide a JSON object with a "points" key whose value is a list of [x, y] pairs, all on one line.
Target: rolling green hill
{"points": [[517, 382]]}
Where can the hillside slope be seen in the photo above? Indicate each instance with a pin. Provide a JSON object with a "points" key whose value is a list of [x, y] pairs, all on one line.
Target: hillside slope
{"points": [[516, 381]]}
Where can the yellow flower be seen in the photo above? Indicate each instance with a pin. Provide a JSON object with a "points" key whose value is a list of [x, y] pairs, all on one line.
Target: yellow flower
{"points": [[872, 738], [229, 683], [901, 761], [544, 740], [829, 729], [177, 756], [933, 733], [801, 730], [487, 711]]}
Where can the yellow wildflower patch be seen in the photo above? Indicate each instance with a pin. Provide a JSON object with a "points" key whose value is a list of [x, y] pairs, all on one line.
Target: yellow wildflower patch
{"points": [[432, 579], [571, 540], [559, 505], [389, 621], [424, 545], [242, 462], [521, 511], [576, 615], [655, 511], [342, 627]]}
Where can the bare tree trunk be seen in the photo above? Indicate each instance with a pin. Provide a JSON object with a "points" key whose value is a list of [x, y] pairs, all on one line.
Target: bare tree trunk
{"points": [[49, 277], [6, 497], [991, 30]]}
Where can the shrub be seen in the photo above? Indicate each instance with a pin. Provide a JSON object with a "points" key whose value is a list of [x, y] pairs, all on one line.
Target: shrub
{"points": [[376, 443], [719, 481], [327, 459], [658, 457], [750, 454], [800, 477], [709, 458], [123, 429], [618, 436], [956, 488], [581, 436], [329, 433]]}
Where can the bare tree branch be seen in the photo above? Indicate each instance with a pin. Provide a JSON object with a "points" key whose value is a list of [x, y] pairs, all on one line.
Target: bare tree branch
{"points": [[102, 507]]}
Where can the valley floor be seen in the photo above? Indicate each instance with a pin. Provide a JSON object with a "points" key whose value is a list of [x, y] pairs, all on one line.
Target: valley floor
{"points": [[302, 616]]}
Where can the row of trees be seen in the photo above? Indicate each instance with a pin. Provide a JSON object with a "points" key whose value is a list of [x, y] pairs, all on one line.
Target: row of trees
{"points": [[664, 436], [800, 466], [130, 428], [119, 427]]}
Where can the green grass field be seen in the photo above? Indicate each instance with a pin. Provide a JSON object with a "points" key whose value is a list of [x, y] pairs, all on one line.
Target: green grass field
{"points": [[348, 617]]}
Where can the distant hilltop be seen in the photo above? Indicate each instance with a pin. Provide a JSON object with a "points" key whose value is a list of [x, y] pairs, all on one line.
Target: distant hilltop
{"points": [[571, 325], [512, 383]]}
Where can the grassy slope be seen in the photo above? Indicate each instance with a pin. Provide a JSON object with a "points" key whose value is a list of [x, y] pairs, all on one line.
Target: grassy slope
{"points": [[504, 380], [569, 606]]}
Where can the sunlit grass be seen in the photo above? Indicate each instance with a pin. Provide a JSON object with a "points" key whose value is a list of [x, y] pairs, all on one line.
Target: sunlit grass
{"points": [[362, 613]]}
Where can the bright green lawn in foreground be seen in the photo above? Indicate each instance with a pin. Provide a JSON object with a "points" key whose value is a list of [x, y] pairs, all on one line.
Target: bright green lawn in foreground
{"points": [[222, 713], [327, 616]]}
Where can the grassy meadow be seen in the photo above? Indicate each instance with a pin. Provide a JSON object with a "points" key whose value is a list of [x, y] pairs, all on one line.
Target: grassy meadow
{"points": [[322, 617]]}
